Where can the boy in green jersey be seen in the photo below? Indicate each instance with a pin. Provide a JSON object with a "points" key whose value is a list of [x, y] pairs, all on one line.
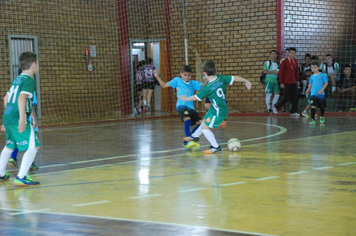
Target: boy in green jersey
{"points": [[215, 90], [19, 131]]}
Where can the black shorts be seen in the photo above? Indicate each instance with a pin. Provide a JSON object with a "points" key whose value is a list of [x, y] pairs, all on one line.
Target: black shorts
{"points": [[317, 101], [149, 85], [184, 111], [139, 87]]}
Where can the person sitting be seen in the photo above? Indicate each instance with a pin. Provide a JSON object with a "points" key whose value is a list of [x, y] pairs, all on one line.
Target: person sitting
{"points": [[346, 89]]}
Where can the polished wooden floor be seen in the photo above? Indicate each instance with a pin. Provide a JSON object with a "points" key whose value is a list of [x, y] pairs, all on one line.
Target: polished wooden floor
{"points": [[135, 178]]}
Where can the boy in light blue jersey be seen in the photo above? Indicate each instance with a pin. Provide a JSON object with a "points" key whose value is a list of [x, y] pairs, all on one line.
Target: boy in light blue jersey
{"points": [[317, 84], [215, 90], [185, 86]]}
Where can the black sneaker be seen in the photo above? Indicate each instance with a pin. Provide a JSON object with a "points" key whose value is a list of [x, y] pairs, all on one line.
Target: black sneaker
{"points": [[269, 110]]}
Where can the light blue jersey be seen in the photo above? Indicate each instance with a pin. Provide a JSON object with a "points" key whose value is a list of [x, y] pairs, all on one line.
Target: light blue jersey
{"points": [[184, 88], [317, 82]]}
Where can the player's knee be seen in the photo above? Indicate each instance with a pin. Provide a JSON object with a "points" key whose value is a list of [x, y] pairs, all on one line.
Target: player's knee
{"points": [[186, 118]]}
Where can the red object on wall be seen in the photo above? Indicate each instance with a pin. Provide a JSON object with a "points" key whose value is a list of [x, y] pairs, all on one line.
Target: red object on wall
{"points": [[124, 54], [280, 29]]}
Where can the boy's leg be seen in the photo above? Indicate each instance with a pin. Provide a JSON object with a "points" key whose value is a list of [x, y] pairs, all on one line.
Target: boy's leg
{"points": [[209, 135], [27, 161], [13, 159], [4, 158]]}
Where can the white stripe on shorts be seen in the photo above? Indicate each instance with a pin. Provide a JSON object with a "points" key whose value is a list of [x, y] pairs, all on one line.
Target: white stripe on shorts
{"points": [[211, 125], [32, 142]]}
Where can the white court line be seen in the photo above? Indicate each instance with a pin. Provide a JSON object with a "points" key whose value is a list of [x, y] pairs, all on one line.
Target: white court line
{"points": [[91, 203], [29, 212], [191, 190], [323, 168], [161, 223], [229, 184], [267, 178], [144, 196], [298, 172], [347, 163]]}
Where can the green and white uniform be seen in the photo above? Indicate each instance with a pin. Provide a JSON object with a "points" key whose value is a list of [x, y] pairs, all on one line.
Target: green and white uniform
{"points": [[27, 139], [215, 90], [271, 81]]}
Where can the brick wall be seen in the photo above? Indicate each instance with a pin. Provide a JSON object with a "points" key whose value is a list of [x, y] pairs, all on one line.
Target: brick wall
{"points": [[69, 92], [320, 27]]}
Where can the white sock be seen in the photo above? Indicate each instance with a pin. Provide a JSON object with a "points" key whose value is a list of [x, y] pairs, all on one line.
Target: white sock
{"points": [[144, 102], [305, 111], [275, 99], [4, 159], [210, 137], [27, 161], [197, 133], [268, 100], [333, 89]]}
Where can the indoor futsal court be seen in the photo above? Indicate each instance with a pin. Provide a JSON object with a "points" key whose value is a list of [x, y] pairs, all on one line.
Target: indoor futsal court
{"points": [[134, 177]]}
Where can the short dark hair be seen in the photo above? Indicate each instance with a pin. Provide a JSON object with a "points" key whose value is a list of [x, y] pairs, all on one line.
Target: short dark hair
{"points": [[186, 68], [149, 61], [26, 59], [209, 67], [287, 49], [346, 66], [314, 58], [307, 55], [329, 55], [292, 49], [314, 63], [272, 51]]}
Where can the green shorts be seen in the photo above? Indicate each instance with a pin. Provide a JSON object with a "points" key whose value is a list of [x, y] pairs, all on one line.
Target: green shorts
{"points": [[213, 121], [22, 141], [272, 87]]}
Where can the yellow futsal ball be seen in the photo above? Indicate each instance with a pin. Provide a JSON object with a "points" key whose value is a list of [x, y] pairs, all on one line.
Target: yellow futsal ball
{"points": [[234, 144]]}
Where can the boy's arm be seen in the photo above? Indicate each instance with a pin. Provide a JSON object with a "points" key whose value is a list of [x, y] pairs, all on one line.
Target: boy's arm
{"points": [[240, 79], [309, 89], [322, 89], [161, 82], [187, 99], [6, 98], [22, 110], [34, 120]]}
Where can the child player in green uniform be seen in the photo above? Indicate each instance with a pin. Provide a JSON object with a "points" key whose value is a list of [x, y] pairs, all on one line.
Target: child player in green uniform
{"points": [[215, 90], [19, 131]]}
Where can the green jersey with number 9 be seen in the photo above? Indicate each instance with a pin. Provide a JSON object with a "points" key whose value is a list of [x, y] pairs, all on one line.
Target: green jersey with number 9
{"points": [[22, 84], [215, 90]]}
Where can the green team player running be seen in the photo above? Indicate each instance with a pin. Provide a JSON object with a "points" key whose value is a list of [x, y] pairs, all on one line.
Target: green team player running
{"points": [[19, 131], [215, 90]]}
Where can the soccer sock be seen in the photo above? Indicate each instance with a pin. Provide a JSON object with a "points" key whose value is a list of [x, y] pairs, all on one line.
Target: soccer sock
{"points": [[333, 89], [275, 99], [187, 125], [27, 161], [14, 154], [322, 110], [4, 159], [195, 128], [197, 132], [268, 100], [313, 113], [210, 137]]}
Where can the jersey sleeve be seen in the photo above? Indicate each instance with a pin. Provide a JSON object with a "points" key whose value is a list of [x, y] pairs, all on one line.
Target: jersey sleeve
{"points": [[196, 85], [28, 87], [201, 94], [325, 78], [174, 82], [227, 79], [266, 66]]}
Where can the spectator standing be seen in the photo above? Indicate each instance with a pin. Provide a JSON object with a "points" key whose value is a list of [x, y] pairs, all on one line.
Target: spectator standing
{"points": [[270, 69], [289, 81]]}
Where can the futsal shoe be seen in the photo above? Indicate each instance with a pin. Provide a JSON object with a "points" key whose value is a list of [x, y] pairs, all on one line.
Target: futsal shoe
{"points": [[305, 114], [12, 163], [5, 177], [274, 110], [26, 181], [190, 138], [322, 119], [212, 150], [34, 167], [312, 122], [191, 144]]}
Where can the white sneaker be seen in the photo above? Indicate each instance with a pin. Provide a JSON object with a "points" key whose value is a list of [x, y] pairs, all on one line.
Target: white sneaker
{"points": [[274, 110], [295, 114], [305, 114]]}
